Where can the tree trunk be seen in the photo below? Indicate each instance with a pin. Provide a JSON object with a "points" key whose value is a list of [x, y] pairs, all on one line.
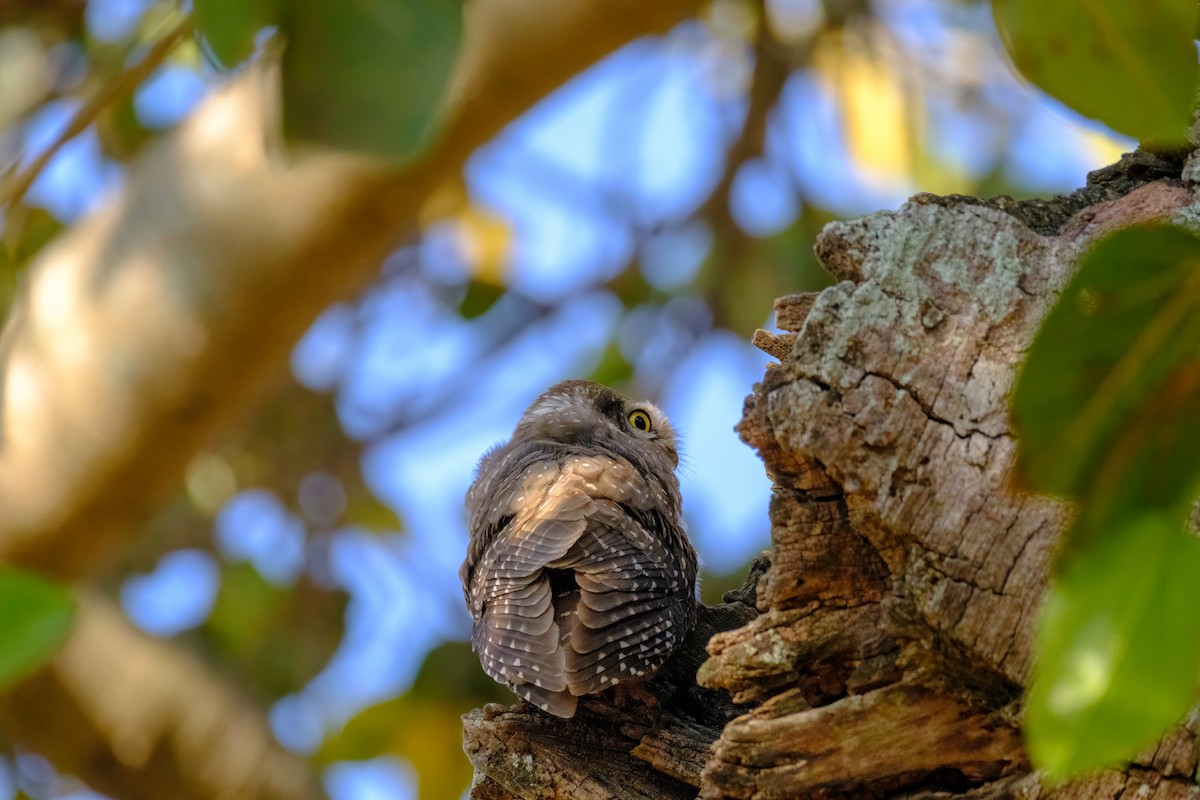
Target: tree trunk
{"points": [[891, 634]]}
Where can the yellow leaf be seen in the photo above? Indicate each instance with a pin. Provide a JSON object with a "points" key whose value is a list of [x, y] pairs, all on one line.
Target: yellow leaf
{"points": [[874, 108], [484, 240], [1104, 148]]}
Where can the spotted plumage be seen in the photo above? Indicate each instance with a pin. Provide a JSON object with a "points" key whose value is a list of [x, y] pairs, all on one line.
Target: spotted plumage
{"points": [[578, 573]]}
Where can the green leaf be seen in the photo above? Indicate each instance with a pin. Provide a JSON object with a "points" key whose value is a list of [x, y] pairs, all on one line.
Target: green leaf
{"points": [[230, 26], [1130, 65], [368, 75], [27, 229], [479, 298], [1118, 647], [35, 618], [1107, 406]]}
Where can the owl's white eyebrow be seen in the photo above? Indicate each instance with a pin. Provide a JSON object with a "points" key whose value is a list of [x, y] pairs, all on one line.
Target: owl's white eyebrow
{"points": [[551, 404]]}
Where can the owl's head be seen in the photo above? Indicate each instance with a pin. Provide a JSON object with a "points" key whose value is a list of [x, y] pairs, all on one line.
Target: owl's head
{"points": [[583, 412]]}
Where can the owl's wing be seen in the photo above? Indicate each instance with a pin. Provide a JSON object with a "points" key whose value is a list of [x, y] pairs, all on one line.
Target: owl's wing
{"points": [[635, 599], [512, 596]]}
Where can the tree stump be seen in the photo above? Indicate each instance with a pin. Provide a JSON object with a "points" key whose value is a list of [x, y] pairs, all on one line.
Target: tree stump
{"points": [[889, 642]]}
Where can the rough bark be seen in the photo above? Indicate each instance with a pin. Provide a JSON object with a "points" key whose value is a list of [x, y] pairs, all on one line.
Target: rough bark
{"points": [[157, 319], [892, 643]]}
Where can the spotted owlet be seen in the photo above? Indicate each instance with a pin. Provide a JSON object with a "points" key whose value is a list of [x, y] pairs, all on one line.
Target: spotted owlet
{"points": [[578, 574]]}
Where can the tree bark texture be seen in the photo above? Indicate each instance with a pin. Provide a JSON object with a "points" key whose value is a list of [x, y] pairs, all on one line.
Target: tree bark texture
{"points": [[892, 639]]}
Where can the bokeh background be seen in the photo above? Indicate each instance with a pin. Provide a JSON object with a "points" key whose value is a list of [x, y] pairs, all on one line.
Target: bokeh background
{"points": [[632, 228]]}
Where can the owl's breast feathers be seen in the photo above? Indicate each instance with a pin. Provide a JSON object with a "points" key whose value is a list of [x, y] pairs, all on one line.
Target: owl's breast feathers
{"points": [[582, 579]]}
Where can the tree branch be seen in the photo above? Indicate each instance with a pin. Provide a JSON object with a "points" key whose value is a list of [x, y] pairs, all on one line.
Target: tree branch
{"points": [[109, 93], [771, 71]]}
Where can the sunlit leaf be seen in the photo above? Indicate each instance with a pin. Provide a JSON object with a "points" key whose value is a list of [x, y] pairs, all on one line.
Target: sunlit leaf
{"points": [[874, 106], [1107, 410], [368, 75], [1118, 647], [1130, 65], [1113, 375], [484, 239], [35, 618], [229, 27]]}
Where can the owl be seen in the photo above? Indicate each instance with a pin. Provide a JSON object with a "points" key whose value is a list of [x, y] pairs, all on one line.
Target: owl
{"points": [[578, 574]]}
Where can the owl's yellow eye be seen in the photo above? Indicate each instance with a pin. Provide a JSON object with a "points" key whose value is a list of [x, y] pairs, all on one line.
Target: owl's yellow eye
{"points": [[640, 420]]}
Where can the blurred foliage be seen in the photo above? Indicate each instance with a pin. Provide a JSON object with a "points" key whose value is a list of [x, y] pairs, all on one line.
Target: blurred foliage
{"points": [[273, 637], [430, 737], [57, 18], [1129, 65], [229, 27], [36, 616], [281, 635], [1108, 413], [297, 433], [121, 132], [293, 434], [1118, 646], [1111, 388], [26, 231], [714, 585], [479, 298], [368, 75]]}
